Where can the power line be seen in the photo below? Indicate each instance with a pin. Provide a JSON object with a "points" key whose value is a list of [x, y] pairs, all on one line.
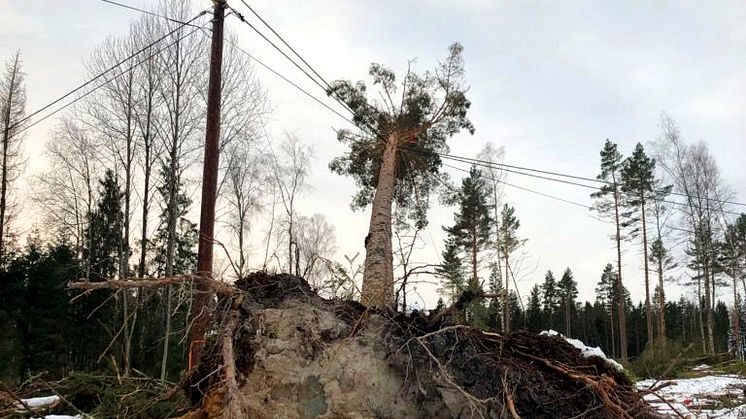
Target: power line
{"points": [[327, 90], [105, 82], [147, 12], [527, 189], [503, 166], [276, 73], [97, 77], [329, 87], [491, 165], [242, 19]]}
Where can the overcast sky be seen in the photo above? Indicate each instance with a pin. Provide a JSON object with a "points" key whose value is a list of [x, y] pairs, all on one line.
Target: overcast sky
{"points": [[549, 81]]}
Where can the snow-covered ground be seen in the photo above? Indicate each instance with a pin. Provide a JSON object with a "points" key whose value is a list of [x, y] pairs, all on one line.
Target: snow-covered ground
{"points": [[713, 395]]}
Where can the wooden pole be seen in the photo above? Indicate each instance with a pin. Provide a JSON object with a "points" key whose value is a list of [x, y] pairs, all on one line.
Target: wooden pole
{"points": [[209, 185]]}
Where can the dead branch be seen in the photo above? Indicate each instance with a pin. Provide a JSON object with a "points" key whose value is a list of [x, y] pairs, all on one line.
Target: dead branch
{"points": [[218, 287], [15, 397]]}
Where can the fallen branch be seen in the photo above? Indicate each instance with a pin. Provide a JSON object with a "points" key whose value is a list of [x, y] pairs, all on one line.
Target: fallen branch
{"points": [[218, 287]]}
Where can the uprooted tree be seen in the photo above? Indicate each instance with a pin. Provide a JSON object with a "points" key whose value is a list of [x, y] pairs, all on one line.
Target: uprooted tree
{"points": [[394, 153]]}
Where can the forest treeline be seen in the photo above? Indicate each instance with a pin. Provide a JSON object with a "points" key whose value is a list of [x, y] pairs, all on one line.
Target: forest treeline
{"points": [[115, 202]]}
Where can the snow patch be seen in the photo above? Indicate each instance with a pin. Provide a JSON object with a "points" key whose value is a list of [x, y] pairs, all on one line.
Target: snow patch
{"points": [[691, 397], [37, 402], [586, 351], [60, 417]]}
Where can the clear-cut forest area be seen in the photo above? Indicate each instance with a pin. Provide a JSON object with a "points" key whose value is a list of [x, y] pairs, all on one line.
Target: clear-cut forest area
{"points": [[231, 210]]}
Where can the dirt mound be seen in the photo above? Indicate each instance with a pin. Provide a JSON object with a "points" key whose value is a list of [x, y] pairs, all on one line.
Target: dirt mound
{"points": [[298, 355]]}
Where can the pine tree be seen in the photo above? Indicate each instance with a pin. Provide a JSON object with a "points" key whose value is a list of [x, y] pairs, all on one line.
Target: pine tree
{"points": [[608, 202], [550, 301], [637, 183], [567, 292], [393, 156], [472, 221]]}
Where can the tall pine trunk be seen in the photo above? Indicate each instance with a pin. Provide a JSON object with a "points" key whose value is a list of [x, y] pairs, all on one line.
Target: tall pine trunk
{"points": [[648, 307], [619, 288], [378, 277]]}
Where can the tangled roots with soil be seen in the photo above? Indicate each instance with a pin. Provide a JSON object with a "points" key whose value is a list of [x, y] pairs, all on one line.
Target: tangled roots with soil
{"points": [[296, 354]]}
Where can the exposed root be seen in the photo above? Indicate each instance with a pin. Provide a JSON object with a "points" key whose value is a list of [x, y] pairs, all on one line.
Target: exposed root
{"points": [[233, 401]]}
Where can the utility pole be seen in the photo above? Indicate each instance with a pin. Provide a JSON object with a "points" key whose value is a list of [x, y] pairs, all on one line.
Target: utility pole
{"points": [[200, 314]]}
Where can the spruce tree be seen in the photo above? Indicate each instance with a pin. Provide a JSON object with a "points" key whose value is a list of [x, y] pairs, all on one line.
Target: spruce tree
{"points": [[550, 298], [608, 203], [605, 297], [637, 183], [567, 292], [105, 230], [105, 225], [452, 271], [534, 316], [509, 242], [182, 261]]}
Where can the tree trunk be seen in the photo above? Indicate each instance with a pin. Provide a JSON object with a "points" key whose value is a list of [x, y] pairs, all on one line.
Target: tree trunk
{"points": [[710, 317], [699, 313], [736, 321], [7, 123], [125, 251], [613, 337], [145, 198], [568, 320], [648, 307], [378, 277], [166, 334], [661, 306], [171, 234], [619, 287], [497, 246], [506, 300]]}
